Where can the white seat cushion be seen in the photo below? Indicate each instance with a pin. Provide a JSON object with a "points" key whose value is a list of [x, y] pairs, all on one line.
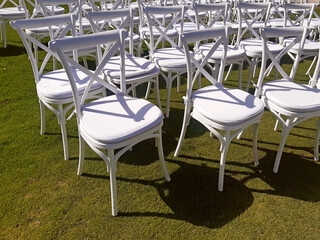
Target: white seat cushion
{"points": [[134, 66], [118, 118], [146, 33], [12, 12], [253, 46], [292, 96], [187, 27], [310, 47], [170, 58], [226, 106], [232, 52], [41, 30], [56, 85]]}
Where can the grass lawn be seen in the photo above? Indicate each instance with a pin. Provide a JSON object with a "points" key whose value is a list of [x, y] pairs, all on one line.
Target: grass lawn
{"points": [[41, 197]]}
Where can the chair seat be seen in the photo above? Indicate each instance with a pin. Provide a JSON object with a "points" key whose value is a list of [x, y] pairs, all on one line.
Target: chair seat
{"points": [[187, 27], [135, 39], [278, 22], [233, 53], [310, 47], [170, 58], [41, 30], [135, 66], [12, 12], [228, 107], [144, 31], [314, 23], [117, 118], [294, 97], [253, 47], [56, 85], [55, 9]]}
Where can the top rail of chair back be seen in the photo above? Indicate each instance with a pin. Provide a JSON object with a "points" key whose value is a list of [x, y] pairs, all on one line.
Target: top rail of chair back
{"points": [[87, 40], [204, 34]]}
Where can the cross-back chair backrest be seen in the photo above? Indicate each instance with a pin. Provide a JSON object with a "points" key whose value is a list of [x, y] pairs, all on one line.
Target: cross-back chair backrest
{"points": [[19, 4], [214, 13], [105, 5], [163, 27], [315, 80], [220, 35], [113, 19], [247, 18], [113, 38], [47, 6], [298, 36], [295, 14], [59, 27]]}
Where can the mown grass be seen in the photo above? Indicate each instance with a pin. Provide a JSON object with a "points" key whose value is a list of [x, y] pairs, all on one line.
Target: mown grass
{"points": [[41, 197]]}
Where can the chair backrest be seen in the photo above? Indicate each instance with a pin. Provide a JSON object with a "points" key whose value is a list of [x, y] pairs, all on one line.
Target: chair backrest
{"points": [[295, 14], [113, 19], [114, 39], [20, 5], [105, 5], [59, 26], [298, 36], [247, 19], [163, 26], [220, 35], [47, 6], [214, 13]]}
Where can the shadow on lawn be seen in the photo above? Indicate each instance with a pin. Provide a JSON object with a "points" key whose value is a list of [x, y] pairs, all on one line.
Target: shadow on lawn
{"points": [[193, 197], [298, 176], [12, 50]]}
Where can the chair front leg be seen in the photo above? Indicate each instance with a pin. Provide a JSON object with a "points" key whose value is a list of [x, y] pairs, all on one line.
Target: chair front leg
{"points": [[316, 142], [113, 185], [285, 133], [62, 121], [224, 149], [42, 118], [161, 156]]}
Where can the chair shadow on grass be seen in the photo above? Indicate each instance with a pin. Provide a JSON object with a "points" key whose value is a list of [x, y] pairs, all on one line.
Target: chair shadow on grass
{"points": [[298, 176], [12, 50]]}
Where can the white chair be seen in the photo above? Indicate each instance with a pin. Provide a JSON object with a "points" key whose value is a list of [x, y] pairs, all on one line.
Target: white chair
{"points": [[16, 11], [138, 70], [169, 59], [301, 15], [223, 111], [216, 16], [53, 87], [248, 33], [290, 102], [115, 122]]}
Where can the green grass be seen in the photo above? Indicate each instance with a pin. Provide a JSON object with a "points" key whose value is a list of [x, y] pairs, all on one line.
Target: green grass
{"points": [[41, 197]]}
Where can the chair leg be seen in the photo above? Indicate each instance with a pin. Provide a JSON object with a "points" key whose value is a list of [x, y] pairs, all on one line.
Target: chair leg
{"points": [[228, 73], [276, 126], [3, 30], [223, 157], [240, 65], [285, 133], [250, 75], [161, 157], [113, 185], [185, 123], [63, 132], [255, 130], [43, 118], [316, 143], [169, 86], [156, 88], [81, 155], [148, 90], [178, 83]]}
